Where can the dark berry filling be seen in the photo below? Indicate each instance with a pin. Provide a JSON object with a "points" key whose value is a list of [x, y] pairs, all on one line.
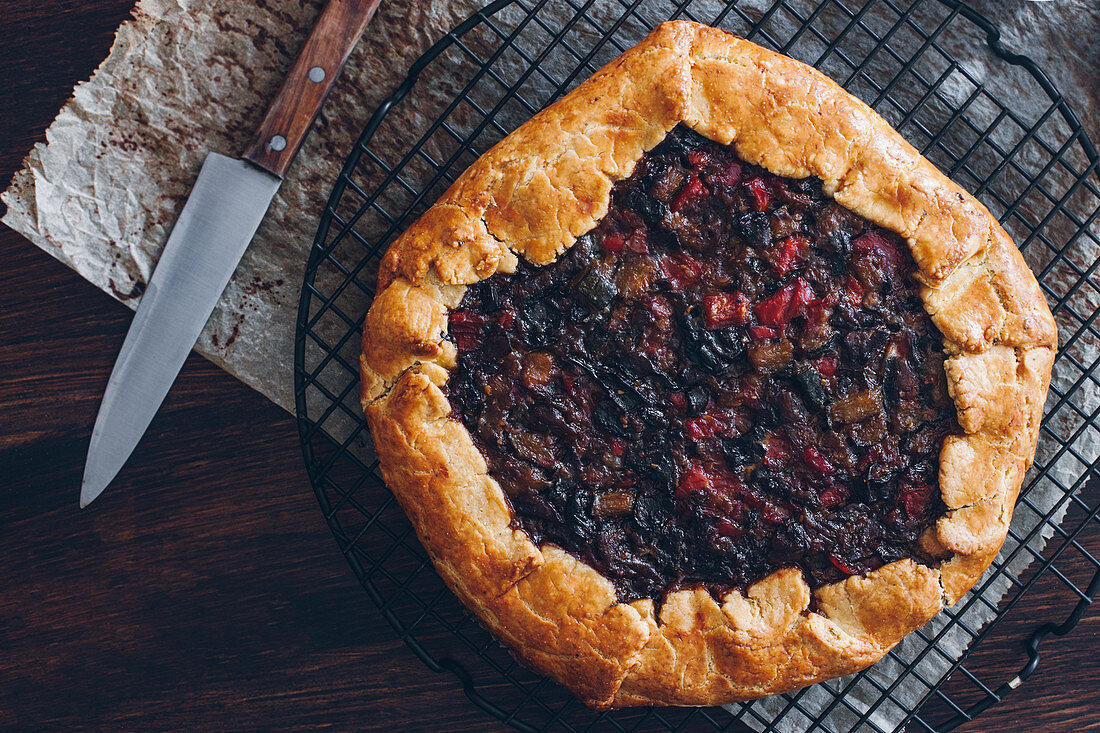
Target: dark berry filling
{"points": [[730, 374]]}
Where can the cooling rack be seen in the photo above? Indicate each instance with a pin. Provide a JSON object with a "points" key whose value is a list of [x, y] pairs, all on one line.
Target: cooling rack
{"points": [[994, 123]]}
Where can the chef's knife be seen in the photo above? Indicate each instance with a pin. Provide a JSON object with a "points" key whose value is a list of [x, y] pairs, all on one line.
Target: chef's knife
{"points": [[214, 228]]}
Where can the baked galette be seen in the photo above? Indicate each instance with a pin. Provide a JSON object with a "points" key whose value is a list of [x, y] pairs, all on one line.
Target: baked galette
{"points": [[703, 384]]}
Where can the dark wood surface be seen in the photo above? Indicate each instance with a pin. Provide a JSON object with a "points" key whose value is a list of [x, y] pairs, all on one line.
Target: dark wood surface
{"points": [[203, 590]]}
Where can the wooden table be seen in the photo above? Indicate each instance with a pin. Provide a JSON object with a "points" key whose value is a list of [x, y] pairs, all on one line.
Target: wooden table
{"points": [[203, 590]]}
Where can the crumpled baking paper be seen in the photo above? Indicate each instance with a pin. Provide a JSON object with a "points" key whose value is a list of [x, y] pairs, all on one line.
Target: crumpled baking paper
{"points": [[186, 77]]}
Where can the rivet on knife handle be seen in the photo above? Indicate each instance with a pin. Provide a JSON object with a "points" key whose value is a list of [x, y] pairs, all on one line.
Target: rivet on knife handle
{"points": [[316, 69]]}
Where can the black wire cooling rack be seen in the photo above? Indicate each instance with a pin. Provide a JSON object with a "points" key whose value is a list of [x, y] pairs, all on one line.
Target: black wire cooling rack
{"points": [[995, 124]]}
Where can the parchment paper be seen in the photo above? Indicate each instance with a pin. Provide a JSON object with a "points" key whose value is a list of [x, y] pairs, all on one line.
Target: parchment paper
{"points": [[187, 77]]}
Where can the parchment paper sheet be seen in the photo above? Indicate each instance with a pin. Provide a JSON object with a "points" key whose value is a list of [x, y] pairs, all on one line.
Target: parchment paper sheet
{"points": [[185, 77]]}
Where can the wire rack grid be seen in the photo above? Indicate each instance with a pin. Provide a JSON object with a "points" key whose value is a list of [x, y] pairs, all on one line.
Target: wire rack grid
{"points": [[1030, 163]]}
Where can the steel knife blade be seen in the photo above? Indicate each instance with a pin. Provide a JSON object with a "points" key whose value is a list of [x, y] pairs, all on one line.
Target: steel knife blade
{"points": [[215, 227], [221, 215]]}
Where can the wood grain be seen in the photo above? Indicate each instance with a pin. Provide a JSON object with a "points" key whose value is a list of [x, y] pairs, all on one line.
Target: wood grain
{"points": [[203, 590], [296, 105]]}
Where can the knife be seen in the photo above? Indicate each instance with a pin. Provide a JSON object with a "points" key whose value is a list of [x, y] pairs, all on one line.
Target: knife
{"points": [[226, 205]]}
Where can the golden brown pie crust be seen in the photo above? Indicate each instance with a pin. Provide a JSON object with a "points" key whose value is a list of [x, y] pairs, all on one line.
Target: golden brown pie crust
{"points": [[547, 183]]}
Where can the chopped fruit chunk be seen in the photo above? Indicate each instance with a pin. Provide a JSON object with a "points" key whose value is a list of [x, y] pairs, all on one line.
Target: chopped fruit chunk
{"points": [[465, 329], [786, 303], [692, 191], [834, 496], [855, 407], [726, 528], [802, 299], [465, 319], [841, 565], [875, 245], [916, 499], [817, 461], [707, 484], [695, 480], [768, 358], [659, 308], [613, 243], [707, 426], [772, 311], [853, 292], [761, 333], [699, 158], [790, 251], [613, 504], [826, 365], [702, 427], [682, 270], [777, 453], [725, 309], [761, 196]]}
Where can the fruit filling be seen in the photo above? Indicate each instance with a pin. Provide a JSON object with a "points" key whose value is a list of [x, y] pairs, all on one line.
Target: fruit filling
{"points": [[730, 374]]}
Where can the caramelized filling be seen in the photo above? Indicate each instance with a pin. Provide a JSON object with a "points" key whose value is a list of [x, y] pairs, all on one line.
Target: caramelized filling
{"points": [[730, 374]]}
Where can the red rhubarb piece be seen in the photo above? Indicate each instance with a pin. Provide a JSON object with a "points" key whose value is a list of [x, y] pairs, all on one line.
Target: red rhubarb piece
{"points": [[692, 191], [761, 195], [465, 329], [681, 270], [695, 480], [802, 297], [834, 496], [783, 305], [761, 333], [853, 291], [708, 425], [826, 365], [841, 565], [792, 250], [772, 311], [613, 243], [777, 452], [699, 158], [817, 461], [873, 244], [726, 528], [916, 499]]}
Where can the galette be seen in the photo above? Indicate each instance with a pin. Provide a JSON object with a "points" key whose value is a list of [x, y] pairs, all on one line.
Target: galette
{"points": [[703, 385]]}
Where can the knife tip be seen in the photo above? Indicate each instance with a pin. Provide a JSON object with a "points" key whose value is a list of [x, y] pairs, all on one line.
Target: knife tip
{"points": [[89, 490]]}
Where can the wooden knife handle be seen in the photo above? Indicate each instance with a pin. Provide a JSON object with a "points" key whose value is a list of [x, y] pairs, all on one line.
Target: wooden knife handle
{"points": [[319, 62]]}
